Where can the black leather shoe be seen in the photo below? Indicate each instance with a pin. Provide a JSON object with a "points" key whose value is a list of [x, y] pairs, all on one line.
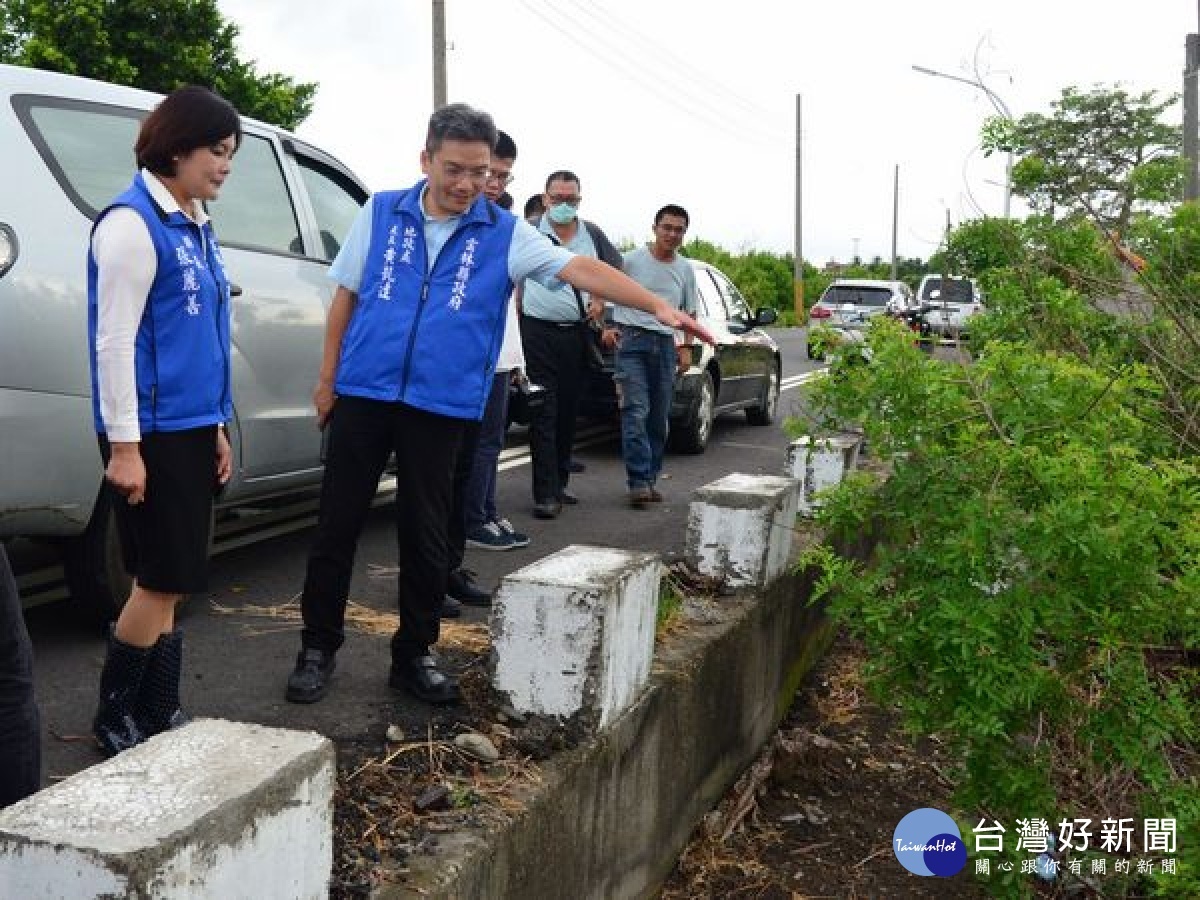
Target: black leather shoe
{"points": [[422, 678], [310, 679], [548, 510], [461, 587], [451, 608], [567, 498], [576, 467]]}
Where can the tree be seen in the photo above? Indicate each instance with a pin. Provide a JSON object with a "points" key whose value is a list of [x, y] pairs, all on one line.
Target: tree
{"points": [[156, 45], [1103, 152]]}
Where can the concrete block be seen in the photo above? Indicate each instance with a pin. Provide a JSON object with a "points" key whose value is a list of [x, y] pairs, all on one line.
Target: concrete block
{"points": [[820, 464], [215, 809], [573, 634], [740, 528]]}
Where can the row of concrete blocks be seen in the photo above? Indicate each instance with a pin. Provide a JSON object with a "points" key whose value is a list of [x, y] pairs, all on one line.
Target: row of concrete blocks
{"points": [[226, 810]]}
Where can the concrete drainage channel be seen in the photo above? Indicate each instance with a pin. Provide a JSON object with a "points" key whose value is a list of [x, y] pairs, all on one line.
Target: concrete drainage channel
{"points": [[224, 810]]}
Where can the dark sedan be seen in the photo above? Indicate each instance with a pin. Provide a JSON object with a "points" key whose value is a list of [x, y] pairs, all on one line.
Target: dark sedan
{"points": [[741, 373]]}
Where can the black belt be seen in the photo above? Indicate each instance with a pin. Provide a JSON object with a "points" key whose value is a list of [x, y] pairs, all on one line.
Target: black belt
{"points": [[552, 324]]}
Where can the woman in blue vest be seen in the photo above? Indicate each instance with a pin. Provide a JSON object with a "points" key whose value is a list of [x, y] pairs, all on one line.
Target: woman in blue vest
{"points": [[158, 329]]}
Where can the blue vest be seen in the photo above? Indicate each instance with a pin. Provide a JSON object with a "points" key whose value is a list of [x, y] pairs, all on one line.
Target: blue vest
{"points": [[181, 353], [428, 336]]}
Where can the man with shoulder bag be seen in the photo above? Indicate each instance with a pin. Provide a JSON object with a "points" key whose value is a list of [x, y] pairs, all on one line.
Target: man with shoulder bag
{"points": [[557, 328]]}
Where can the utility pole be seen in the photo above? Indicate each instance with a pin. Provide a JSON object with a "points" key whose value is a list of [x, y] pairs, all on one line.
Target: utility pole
{"points": [[798, 265], [1191, 153], [895, 215], [439, 54]]}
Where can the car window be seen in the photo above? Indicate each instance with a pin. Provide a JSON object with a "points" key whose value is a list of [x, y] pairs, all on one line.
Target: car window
{"points": [[707, 298], [858, 295], [733, 300], [954, 290], [89, 148], [335, 203], [255, 209]]}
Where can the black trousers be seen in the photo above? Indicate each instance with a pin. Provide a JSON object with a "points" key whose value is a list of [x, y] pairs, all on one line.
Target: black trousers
{"points": [[20, 725], [554, 359], [365, 432], [464, 464]]}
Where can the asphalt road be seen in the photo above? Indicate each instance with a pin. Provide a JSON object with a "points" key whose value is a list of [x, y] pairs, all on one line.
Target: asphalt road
{"points": [[236, 664]]}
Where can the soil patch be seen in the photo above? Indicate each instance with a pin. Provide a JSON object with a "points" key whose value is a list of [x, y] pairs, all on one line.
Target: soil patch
{"points": [[815, 815]]}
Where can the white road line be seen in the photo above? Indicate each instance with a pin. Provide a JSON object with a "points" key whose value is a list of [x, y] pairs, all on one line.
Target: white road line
{"points": [[796, 380], [514, 457]]}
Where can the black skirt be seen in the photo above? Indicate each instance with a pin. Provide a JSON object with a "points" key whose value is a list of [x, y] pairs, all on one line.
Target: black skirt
{"points": [[165, 538]]}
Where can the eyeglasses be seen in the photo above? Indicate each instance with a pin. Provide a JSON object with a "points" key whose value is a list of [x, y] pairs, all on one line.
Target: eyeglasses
{"points": [[673, 229], [456, 173], [554, 201], [505, 178]]}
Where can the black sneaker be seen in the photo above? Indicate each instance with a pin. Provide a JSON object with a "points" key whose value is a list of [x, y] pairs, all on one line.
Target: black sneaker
{"points": [[518, 538], [461, 586], [489, 536], [310, 679]]}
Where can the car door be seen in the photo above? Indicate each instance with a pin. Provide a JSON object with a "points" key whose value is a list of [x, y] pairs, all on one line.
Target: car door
{"points": [[714, 315], [277, 253], [743, 372]]}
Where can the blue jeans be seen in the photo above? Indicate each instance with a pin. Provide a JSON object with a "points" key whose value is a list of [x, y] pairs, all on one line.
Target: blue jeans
{"points": [[480, 498], [645, 376]]}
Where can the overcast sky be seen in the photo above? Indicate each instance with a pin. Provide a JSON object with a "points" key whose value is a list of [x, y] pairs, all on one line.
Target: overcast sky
{"points": [[693, 101]]}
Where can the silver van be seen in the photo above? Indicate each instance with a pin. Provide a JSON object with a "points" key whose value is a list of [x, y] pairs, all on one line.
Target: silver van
{"points": [[66, 151]]}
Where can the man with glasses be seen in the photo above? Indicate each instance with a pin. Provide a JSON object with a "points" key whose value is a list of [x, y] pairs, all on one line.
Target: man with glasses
{"points": [[648, 355], [553, 330], [411, 341]]}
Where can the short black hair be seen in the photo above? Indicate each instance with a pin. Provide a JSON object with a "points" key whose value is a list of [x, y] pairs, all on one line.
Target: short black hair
{"points": [[459, 122], [506, 147], [562, 175], [534, 206], [187, 118], [505, 200], [672, 209]]}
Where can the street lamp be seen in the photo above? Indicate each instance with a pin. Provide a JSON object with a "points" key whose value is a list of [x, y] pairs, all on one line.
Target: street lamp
{"points": [[1000, 106]]}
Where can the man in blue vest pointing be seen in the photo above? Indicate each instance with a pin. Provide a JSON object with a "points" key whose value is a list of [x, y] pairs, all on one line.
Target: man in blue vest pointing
{"points": [[411, 342]]}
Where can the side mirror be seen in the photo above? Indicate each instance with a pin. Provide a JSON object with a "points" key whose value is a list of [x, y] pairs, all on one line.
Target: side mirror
{"points": [[765, 315]]}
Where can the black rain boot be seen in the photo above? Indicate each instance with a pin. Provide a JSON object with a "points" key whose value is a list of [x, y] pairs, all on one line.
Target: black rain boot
{"points": [[120, 679], [157, 708]]}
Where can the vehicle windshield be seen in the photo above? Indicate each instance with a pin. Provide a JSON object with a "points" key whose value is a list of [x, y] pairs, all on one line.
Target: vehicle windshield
{"points": [[953, 290], [838, 294]]}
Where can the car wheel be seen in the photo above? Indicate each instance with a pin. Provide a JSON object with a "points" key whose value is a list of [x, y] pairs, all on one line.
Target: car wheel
{"points": [[768, 405], [693, 437], [95, 572]]}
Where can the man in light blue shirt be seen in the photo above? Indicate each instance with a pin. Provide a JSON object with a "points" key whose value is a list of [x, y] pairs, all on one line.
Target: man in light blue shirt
{"points": [[411, 342], [648, 354], [554, 331]]}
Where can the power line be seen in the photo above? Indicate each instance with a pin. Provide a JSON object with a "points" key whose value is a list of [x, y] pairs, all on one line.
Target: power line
{"points": [[680, 100], [657, 52]]}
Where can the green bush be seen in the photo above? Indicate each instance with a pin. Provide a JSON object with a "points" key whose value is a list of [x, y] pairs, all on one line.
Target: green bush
{"points": [[1034, 600]]}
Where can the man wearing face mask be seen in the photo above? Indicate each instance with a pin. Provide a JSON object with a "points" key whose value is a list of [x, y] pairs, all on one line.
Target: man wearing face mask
{"points": [[553, 339]]}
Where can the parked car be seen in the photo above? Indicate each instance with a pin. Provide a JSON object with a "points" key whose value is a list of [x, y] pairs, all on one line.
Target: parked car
{"points": [[66, 151], [848, 304], [954, 300], [741, 373]]}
